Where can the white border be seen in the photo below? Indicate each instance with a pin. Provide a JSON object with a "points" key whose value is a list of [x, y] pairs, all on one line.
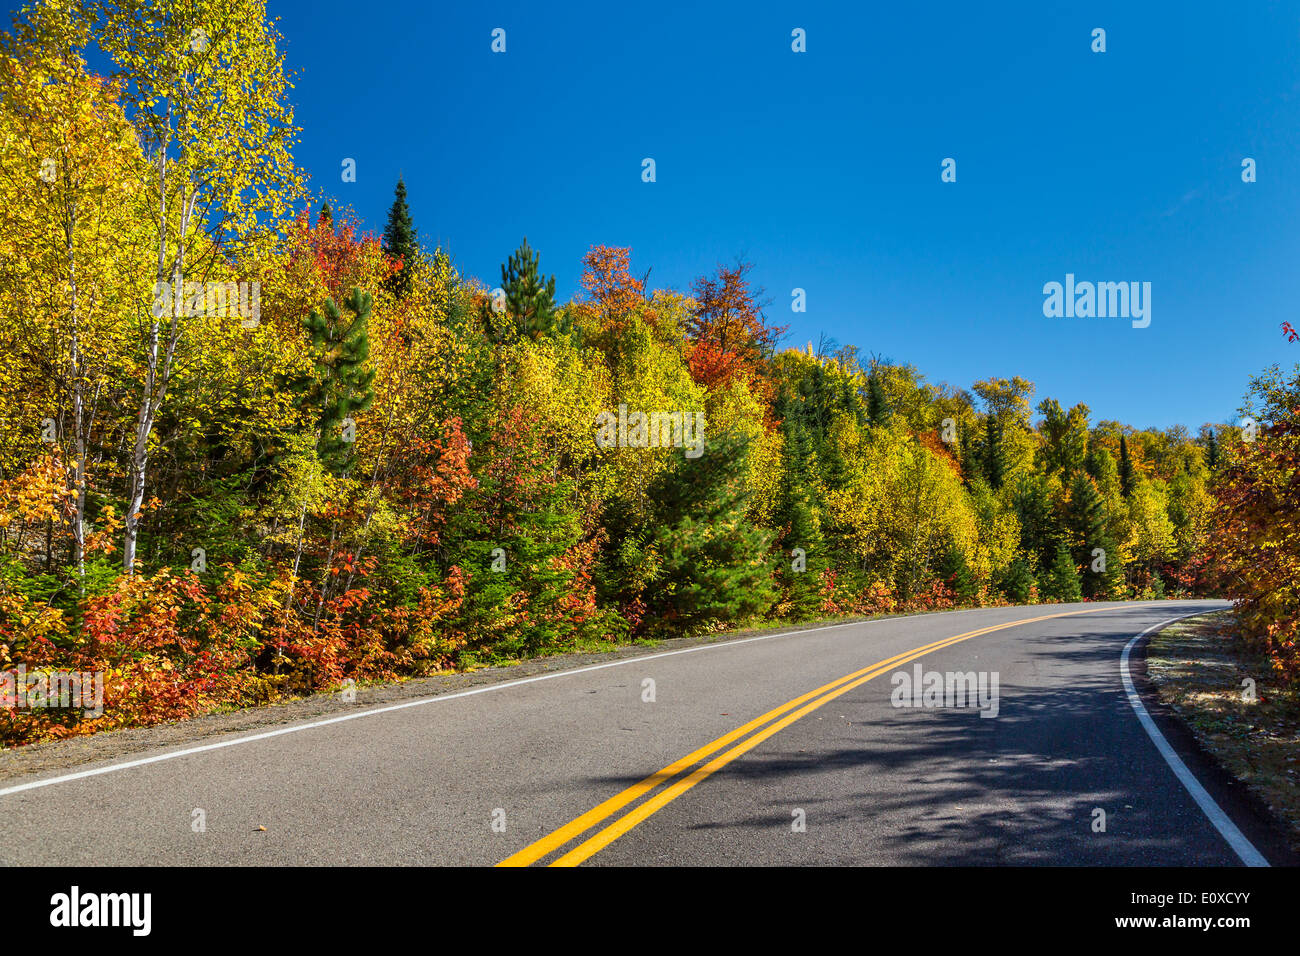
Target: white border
{"points": [[1244, 849]]}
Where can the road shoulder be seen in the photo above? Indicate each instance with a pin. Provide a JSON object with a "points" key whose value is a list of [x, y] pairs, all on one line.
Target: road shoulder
{"points": [[1245, 753]]}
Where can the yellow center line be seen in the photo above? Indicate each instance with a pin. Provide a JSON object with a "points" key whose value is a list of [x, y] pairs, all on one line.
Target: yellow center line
{"points": [[535, 851], [830, 691]]}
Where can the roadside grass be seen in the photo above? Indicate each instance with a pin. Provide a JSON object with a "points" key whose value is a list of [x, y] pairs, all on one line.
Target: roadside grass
{"points": [[1199, 672]]}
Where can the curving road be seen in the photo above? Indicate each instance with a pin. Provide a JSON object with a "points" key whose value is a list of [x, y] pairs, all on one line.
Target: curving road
{"points": [[779, 749]]}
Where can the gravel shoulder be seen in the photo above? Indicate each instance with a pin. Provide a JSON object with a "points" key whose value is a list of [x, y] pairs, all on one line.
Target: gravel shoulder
{"points": [[1254, 735]]}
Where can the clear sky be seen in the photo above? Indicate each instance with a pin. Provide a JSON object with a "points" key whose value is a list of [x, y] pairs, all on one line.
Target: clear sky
{"points": [[823, 167]]}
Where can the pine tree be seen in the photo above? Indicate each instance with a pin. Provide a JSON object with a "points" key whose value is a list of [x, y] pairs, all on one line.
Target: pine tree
{"points": [[1211, 450], [1085, 517], [878, 411], [797, 517], [1061, 582], [995, 461], [713, 558], [326, 217], [529, 301], [400, 242], [1125, 468], [1017, 581], [339, 384]]}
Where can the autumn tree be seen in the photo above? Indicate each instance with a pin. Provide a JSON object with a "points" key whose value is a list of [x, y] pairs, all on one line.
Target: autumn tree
{"points": [[204, 86], [612, 290], [729, 335], [1255, 522], [70, 249]]}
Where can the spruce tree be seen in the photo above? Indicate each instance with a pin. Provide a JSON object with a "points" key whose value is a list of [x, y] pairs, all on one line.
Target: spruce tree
{"points": [[713, 565], [1108, 584], [956, 574], [1040, 526], [796, 516], [878, 411], [1061, 582], [1211, 450], [1125, 468], [1017, 582], [326, 216], [400, 242], [995, 461], [1085, 517]]}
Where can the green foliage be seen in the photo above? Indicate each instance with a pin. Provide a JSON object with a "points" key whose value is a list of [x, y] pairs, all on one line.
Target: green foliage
{"points": [[878, 410], [955, 572], [994, 454], [400, 243], [407, 480], [713, 565], [1061, 582], [530, 309], [341, 382], [1125, 467], [1017, 582]]}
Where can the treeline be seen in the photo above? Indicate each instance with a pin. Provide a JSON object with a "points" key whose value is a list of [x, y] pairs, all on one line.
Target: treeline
{"points": [[372, 466]]}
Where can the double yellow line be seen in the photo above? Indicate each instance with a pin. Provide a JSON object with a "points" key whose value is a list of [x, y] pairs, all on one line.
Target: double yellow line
{"points": [[809, 701]]}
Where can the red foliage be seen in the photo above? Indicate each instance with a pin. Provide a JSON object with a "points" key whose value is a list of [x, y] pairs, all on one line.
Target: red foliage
{"points": [[1255, 537], [730, 336], [614, 292], [336, 253]]}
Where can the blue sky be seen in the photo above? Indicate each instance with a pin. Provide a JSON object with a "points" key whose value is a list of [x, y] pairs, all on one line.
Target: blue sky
{"points": [[823, 168]]}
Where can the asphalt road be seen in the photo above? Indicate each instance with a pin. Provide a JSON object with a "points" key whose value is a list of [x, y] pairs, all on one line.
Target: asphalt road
{"points": [[841, 777]]}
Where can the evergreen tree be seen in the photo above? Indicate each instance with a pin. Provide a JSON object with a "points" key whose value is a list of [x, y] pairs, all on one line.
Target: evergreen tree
{"points": [[796, 517], [1125, 468], [713, 558], [529, 300], [1107, 585], [534, 531], [400, 242], [1040, 527], [1017, 581], [326, 217], [1211, 450], [878, 410], [1085, 518], [339, 384], [955, 572], [995, 461], [1061, 582]]}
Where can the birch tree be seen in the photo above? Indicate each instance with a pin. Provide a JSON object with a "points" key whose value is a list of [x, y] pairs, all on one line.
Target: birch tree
{"points": [[70, 159], [204, 83]]}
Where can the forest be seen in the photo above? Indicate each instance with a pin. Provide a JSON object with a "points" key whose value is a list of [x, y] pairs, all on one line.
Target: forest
{"points": [[250, 449]]}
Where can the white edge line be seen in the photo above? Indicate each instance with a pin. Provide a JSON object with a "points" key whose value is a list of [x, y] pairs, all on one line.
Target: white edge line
{"points": [[1244, 849], [294, 728]]}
